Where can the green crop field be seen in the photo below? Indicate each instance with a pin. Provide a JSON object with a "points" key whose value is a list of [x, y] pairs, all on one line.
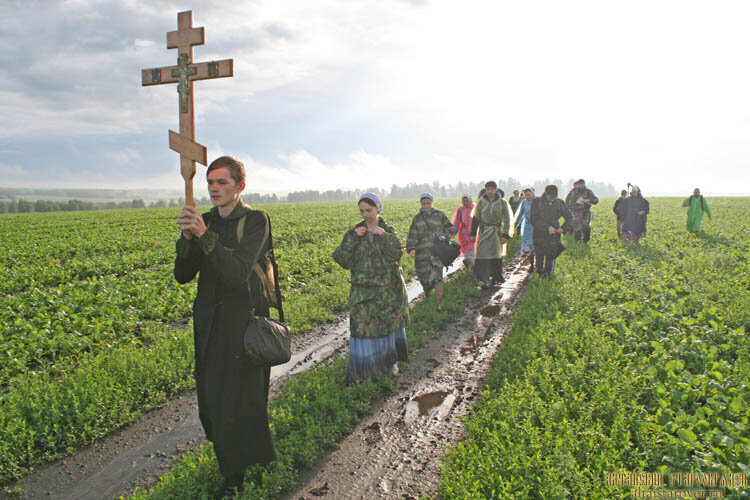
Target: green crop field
{"points": [[630, 360], [95, 330]]}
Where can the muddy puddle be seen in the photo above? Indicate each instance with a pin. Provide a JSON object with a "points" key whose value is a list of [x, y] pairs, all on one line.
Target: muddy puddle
{"points": [[433, 405], [139, 454]]}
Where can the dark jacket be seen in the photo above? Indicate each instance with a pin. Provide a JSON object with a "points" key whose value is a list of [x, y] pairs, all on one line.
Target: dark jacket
{"points": [[616, 208], [232, 393], [545, 213], [628, 212]]}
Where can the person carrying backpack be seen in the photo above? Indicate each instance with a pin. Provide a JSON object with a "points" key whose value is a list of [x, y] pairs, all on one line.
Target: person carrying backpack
{"points": [[223, 247], [696, 206], [425, 226]]}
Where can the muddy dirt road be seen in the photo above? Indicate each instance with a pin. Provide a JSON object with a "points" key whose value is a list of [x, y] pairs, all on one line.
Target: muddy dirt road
{"points": [[395, 450], [139, 454]]}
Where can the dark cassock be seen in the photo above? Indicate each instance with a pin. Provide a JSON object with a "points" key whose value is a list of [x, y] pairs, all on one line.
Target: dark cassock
{"points": [[232, 392]]}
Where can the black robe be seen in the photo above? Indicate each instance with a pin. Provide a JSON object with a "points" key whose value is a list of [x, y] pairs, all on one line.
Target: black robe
{"points": [[232, 393], [545, 213], [628, 210]]}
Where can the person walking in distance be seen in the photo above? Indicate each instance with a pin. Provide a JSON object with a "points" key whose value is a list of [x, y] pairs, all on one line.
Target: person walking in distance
{"points": [[697, 206], [579, 201], [634, 212], [425, 226], [615, 209], [462, 224], [523, 223], [546, 211], [492, 223]]}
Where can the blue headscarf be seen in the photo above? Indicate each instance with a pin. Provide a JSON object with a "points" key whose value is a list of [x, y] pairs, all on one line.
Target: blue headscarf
{"points": [[373, 198]]}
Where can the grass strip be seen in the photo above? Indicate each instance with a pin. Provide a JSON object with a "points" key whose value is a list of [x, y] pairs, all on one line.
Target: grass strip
{"points": [[630, 360], [45, 417], [313, 411]]}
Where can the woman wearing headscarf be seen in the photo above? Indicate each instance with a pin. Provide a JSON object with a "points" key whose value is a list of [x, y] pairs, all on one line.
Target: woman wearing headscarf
{"points": [[492, 223], [425, 226], [378, 304], [634, 211], [523, 223], [462, 224]]}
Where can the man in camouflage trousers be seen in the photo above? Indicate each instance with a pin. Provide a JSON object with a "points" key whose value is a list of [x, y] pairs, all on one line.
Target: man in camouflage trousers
{"points": [[427, 224], [579, 202]]}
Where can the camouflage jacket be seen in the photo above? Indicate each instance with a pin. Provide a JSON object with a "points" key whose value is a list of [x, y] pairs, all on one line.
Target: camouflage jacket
{"points": [[424, 228], [378, 302]]}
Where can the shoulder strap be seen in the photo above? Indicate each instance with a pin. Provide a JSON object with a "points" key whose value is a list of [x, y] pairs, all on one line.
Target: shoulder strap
{"points": [[269, 278]]}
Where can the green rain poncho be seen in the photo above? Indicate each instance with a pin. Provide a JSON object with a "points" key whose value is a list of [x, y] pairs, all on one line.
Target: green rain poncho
{"points": [[696, 206]]}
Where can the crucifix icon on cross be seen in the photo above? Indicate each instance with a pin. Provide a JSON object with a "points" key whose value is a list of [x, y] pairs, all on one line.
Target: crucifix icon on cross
{"points": [[184, 74]]}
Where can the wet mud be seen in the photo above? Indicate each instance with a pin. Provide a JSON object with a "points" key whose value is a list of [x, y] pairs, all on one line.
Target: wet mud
{"points": [[137, 455], [396, 450]]}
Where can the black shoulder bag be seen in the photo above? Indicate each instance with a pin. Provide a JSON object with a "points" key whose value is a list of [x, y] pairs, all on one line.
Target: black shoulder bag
{"points": [[267, 342]]}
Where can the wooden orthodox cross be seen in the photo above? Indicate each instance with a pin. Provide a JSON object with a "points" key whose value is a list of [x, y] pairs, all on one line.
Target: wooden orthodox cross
{"points": [[184, 74]]}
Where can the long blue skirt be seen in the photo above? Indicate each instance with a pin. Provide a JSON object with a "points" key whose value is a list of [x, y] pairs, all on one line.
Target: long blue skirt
{"points": [[374, 357]]}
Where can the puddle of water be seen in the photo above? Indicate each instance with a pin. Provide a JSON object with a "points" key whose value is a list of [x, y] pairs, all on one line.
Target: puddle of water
{"points": [[415, 288], [426, 403], [470, 347], [490, 310]]}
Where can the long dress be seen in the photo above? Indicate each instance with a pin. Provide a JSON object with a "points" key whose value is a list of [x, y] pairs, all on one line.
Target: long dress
{"points": [[462, 221], [696, 206], [232, 392], [523, 222], [491, 222], [378, 303]]}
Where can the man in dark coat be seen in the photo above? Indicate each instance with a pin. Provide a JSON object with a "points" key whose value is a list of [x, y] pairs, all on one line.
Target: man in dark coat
{"points": [[616, 210], [546, 211], [634, 211], [579, 201], [232, 392]]}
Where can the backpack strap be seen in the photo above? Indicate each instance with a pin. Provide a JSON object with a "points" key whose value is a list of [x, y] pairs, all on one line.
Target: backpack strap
{"points": [[269, 278]]}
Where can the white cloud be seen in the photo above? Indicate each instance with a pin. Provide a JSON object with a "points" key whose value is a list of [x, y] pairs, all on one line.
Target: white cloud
{"points": [[652, 90]]}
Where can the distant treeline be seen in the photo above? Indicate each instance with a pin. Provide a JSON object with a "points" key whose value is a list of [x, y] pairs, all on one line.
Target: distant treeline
{"points": [[410, 191], [413, 190]]}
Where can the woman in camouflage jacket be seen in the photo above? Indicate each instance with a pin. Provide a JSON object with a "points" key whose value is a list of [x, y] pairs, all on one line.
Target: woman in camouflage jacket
{"points": [[378, 304], [427, 224]]}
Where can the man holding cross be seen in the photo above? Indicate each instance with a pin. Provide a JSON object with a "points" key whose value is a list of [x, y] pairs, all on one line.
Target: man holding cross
{"points": [[232, 392], [221, 247]]}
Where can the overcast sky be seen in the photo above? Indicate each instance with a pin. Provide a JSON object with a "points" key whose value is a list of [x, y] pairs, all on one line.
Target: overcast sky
{"points": [[349, 94]]}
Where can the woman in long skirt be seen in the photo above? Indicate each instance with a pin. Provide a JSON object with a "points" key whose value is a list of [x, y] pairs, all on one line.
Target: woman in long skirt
{"points": [[378, 304], [523, 223]]}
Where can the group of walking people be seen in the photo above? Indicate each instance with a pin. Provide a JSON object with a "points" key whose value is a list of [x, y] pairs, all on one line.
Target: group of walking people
{"points": [[228, 245]]}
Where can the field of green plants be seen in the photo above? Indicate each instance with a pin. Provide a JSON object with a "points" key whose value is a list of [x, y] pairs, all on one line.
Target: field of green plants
{"points": [[94, 329], [629, 360]]}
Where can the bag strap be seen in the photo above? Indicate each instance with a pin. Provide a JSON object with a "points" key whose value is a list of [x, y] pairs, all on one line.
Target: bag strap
{"points": [[258, 270]]}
